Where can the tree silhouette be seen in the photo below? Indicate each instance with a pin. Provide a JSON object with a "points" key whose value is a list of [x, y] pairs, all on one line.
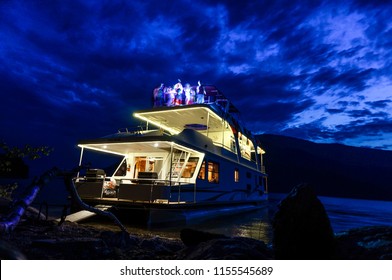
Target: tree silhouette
{"points": [[12, 164]]}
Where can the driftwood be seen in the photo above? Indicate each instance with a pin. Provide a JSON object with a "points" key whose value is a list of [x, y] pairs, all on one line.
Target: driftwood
{"points": [[20, 205], [69, 182]]}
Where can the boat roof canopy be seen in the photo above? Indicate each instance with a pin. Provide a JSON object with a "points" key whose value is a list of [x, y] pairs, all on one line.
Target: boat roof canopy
{"points": [[176, 119], [123, 148]]}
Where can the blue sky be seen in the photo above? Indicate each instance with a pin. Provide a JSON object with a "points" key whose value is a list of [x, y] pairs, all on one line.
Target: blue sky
{"points": [[316, 70]]}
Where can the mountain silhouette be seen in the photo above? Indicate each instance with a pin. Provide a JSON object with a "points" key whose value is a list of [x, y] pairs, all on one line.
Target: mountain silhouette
{"points": [[332, 169]]}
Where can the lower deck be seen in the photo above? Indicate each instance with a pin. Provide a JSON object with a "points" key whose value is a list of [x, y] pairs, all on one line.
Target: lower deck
{"points": [[156, 192], [172, 213]]}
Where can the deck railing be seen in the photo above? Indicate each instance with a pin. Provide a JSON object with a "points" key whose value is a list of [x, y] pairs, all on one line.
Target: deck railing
{"points": [[143, 190], [166, 187], [139, 131]]}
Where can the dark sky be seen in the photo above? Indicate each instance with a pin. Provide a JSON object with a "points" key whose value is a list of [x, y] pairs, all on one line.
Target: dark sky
{"points": [[72, 70]]}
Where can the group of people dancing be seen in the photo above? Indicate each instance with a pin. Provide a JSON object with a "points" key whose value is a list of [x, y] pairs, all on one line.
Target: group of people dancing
{"points": [[178, 94]]}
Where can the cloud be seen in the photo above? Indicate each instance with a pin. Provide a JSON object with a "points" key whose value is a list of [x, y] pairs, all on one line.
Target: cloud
{"points": [[379, 103]]}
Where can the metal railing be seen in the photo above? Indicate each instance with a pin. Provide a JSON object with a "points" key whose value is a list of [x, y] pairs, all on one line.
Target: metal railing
{"points": [[174, 185]]}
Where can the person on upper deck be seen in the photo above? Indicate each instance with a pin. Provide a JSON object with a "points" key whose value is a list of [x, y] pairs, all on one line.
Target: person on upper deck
{"points": [[201, 92], [193, 95], [187, 93], [159, 96], [179, 93], [169, 96]]}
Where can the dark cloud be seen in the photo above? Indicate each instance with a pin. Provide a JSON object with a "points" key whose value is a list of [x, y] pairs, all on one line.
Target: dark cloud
{"points": [[273, 117], [314, 130], [334, 111], [365, 113], [359, 113], [379, 103], [359, 128], [375, 127], [351, 79], [347, 103]]}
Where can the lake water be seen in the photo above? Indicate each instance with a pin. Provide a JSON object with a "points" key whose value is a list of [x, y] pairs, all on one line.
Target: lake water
{"points": [[344, 214]]}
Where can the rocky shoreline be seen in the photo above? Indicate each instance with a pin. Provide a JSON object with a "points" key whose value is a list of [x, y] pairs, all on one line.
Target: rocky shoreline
{"points": [[301, 231]]}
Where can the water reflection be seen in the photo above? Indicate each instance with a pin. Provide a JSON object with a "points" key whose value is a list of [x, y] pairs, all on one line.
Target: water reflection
{"points": [[347, 213], [255, 224]]}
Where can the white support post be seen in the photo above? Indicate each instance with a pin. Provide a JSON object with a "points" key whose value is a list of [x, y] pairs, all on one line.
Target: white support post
{"points": [[80, 159]]}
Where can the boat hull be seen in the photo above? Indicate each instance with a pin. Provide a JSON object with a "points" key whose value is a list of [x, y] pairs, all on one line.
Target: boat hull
{"points": [[163, 214]]}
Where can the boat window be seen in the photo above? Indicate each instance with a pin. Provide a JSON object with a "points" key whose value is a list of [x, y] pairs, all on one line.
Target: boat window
{"points": [[223, 138], [140, 165], [246, 147], [213, 172], [233, 148], [155, 164], [252, 151], [202, 173], [190, 167], [122, 169], [236, 175]]}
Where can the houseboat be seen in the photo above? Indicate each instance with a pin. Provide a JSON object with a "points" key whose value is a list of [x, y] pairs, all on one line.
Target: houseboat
{"points": [[192, 159]]}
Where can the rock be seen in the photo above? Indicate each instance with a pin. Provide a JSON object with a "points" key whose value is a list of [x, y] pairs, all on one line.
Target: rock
{"points": [[237, 248], [203, 245], [366, 243], [10, 252], [161, 246], [81, 248], [301, 227], [119, 239]]}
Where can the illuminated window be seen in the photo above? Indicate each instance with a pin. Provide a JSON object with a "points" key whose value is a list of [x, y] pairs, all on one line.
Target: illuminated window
{"points": [[213, 172], [236, 175], [202, 173], [190, 168], [140, 165], [246, 147]]}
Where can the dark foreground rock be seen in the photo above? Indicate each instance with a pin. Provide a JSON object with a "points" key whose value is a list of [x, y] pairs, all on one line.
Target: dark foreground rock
{"points": [[46, 240], [301, 227], [210, 246], [302, 230], [366, 243]]}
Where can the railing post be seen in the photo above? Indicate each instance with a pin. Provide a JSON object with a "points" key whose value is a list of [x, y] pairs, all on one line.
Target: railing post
{"points": [[80, 161], [179, 192]]}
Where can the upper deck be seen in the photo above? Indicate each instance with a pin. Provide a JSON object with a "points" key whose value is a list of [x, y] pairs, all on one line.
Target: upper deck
{"points": [[202, 108], [201, 117]]}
